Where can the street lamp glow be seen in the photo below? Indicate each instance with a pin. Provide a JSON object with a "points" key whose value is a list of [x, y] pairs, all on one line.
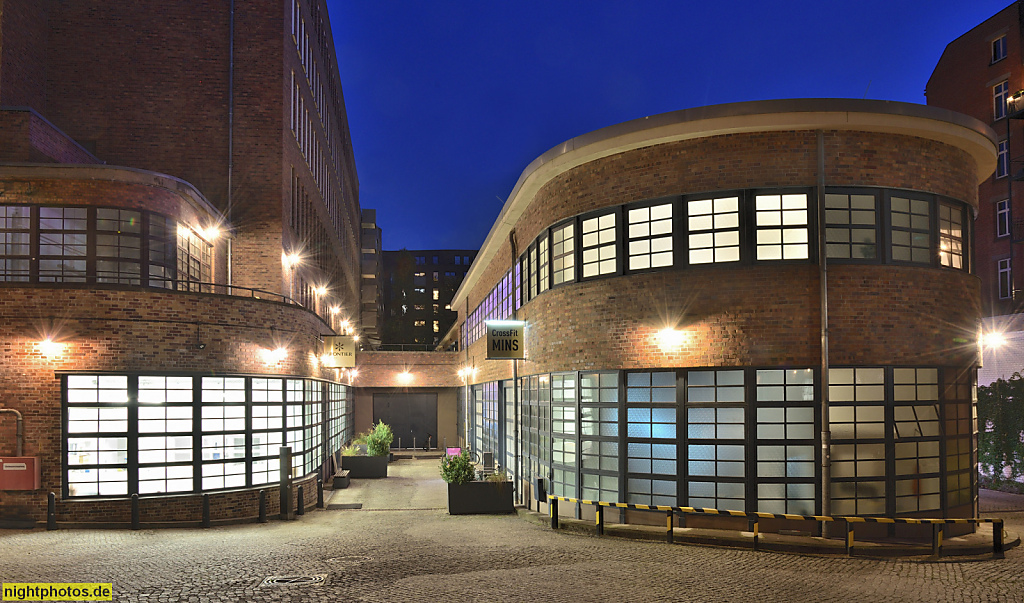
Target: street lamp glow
{"points": [[993, 340], [335, 310], [320, 290], [291, 259]]}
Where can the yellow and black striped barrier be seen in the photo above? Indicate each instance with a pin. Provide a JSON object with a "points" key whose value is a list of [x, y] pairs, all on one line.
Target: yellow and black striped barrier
{"points": [[755, 516]]}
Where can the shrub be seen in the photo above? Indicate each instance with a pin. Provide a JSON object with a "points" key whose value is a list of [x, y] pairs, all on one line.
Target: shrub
{"points": [[378, 443], [457, 469]]}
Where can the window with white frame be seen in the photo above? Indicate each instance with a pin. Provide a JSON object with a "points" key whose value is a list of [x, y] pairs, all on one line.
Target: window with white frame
{"points": [[598, 245], [1002, 159], [782, 227], [1000, 92], [999, 49], [911, 230], [563, 254], [714, 230], [1003, 218], [649, 236], [1005, 279]]}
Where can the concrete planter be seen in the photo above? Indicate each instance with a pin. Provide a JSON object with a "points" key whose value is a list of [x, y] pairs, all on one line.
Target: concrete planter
{"points": [[365, 467], [480, 498]]}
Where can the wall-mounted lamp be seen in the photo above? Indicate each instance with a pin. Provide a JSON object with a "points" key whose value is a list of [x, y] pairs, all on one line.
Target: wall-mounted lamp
{"points": [[274, 356], [405, 377], [669, 338], [50, 348], [993, 340]]}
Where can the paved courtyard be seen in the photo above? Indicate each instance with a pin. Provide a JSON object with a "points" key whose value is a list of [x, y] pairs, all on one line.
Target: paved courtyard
{"points": [[403, 546]]}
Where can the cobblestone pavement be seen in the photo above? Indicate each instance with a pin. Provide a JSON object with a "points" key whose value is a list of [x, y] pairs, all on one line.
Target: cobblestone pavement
{"points": [[427, 555]]}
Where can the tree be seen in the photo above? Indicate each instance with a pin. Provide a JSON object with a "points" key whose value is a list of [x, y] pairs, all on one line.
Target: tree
{"points": [[1001, 429]]}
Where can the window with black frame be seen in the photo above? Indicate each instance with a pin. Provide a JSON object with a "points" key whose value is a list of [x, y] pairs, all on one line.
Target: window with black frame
{"points": [[851, 225], [857, 409], [959, 409], [651, 448], [564, 435], [599, 436], [15, 243], [785, 441], [715, 439]]}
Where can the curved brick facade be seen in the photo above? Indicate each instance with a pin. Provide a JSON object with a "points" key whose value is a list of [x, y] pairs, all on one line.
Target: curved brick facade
{"points": [[901, 329]]}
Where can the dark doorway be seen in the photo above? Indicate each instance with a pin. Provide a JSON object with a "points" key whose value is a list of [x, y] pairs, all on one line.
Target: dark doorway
{"points": [[412, 417]]}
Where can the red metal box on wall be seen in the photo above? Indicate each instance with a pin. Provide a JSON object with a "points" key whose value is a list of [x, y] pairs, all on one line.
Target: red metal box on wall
{"points": [[20, 473]]}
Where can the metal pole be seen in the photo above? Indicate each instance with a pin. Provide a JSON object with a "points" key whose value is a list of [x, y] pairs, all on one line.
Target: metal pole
{"points": [[51, 511], [286, 482], [997, 539], [136, 523], [553, 510], [319, 492], [263, 506], [300, 506], [669, 532], [826, 434], [206, 510]]}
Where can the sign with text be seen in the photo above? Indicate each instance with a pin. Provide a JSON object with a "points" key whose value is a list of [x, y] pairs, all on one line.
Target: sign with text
{"points": [[505, 339], [339, 352]]}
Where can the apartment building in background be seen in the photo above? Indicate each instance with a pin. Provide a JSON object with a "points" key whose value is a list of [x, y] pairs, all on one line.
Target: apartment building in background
{"points": [[418, 290]]}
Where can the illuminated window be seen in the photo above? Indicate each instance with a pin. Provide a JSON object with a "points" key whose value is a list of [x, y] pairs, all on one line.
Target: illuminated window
{"points": [[97, 435], [563, 257], [436, 295], [598, 245], [542, 263], [857, 422], [951, 236], [599, 436], [650, 236], [785, 441], [714, 227], [716, 461], [419, 323], [651, 438], [437, 327], [782, 227]]}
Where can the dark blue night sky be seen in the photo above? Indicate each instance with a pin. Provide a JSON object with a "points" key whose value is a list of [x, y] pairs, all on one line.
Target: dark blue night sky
{"points": [[448, 101]]}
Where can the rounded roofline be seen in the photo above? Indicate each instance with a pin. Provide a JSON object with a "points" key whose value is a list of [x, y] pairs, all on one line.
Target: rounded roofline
{"points": [[923, 121], [112, 173]]}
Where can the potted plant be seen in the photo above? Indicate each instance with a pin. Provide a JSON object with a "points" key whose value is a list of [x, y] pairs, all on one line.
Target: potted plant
{"points": [[467, 496], [370, 460]]}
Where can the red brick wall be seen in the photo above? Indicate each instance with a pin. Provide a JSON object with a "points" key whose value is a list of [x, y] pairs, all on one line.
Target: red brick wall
{"points": [[23, 35], [26, 137], [428, 369]]}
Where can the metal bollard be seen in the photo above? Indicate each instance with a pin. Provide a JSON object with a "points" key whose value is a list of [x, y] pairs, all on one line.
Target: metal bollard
{"points": [[849, 539], [399, 442], [263, 506], [51, 511], [136, 523], [319, 492], [669, 532], [414, 442], [300, 506], [206, 510], [599, 520], [997, 539], [754, 527], [937, 530], [553, 510]]}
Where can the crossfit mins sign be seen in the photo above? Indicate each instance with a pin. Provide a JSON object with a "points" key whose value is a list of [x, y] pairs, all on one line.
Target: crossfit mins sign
{"points": [[505, 339], [339, 352]]}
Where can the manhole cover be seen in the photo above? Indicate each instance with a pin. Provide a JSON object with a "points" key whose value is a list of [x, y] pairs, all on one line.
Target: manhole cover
{"points": [[294, 580]]}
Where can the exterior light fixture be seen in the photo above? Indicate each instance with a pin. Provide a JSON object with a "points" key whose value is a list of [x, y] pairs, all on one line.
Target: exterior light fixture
{"points": [[50, 348], [291, 259], [275, 356], [320, 290], [405, 377], [993, 340], [211, 233], [671, 338], [335, 309]]}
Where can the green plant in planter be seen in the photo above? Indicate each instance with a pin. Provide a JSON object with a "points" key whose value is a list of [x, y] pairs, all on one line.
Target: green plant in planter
{"points": [[378, 443], [361, 438], [351, 450], [498, 476], [457, 469]]}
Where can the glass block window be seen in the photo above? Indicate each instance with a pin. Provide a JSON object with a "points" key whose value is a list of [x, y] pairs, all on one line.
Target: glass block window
{"points": [[598, 245], [97, 435], [951, 235], [599, 435], [785, 441], [851, 226], [649, 236], [858, 427], [15, 250], [118, 246], [63, 237], [782, 227], [652, 454], [716, 435], [714, 230], [911, 231], [564, 430], [563, 254]]}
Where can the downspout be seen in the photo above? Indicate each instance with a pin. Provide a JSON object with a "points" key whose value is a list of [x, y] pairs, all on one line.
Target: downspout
{"points": [[231, 129], [19, 430], [515, 379], [826, 434]]}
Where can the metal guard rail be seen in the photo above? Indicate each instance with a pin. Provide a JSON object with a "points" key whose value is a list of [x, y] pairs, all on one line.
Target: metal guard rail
{"points": [[755, 516]]}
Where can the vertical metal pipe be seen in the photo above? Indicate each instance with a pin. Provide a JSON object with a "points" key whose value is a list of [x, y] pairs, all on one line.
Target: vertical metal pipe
{"points": [[285, 488], [51, 511], [826, 434]]}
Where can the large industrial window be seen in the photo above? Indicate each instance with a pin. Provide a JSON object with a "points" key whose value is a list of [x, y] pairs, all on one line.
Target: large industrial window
{"points": [[193, 260], [911, 230], [917, 435], [563, 254], [782, 227], [543, 264], [651, 463], [165, 434], [118, 246], [951, 235], [97, 435], [63, 235], [15, 235], [716, 434], [649, 236], [598, 245], [960, 420], [857, 422], [851, 228], [535, 409], [785, 441], [599, 436], [162, 250], [714, 227], [564, 430]]}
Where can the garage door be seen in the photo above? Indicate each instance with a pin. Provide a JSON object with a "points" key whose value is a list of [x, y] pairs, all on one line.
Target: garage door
{"points": [[413, 417]]}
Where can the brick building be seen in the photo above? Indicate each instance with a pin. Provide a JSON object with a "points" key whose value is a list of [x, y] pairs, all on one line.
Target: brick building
{"points": [[418, 289], [980, 74], [179, 227], [706, 291]]}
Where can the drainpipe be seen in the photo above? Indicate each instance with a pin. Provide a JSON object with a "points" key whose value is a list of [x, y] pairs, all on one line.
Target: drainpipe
{"points": [[826, 434], [231, 126], [515, 379], [20, 429]]}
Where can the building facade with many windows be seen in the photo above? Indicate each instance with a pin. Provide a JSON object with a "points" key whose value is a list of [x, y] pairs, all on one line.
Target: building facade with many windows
{"points": [[706, 292], [418, 289], [179, 216]]}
